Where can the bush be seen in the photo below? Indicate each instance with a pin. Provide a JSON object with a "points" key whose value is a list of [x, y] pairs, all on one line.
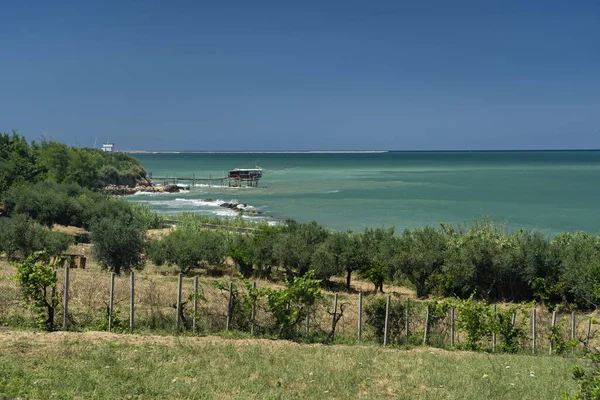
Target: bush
{"points": [[37, 278], [189, 249], [20, 236], [375, 317]]}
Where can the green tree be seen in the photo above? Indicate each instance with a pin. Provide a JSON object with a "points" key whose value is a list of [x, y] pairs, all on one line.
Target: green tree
{"points": [[420, 256], [20, 236], [118, 242]]}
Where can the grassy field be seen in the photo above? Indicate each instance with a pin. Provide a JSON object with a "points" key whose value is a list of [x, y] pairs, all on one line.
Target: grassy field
{"points": [[67, 365]]}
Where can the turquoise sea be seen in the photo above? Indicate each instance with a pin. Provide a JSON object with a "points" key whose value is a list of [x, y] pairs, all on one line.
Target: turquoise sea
{"points": [[552, 191]]}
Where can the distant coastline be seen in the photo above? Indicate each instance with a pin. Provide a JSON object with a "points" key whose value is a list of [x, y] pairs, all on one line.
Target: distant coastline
{"points": [[352, 151]]}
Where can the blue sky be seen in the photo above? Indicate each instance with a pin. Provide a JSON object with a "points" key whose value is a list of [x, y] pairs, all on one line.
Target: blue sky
{"points": [[239, 75]]}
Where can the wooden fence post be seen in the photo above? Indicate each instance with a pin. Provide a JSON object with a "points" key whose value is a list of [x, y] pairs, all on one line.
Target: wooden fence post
{"points": [[230, 307], [572, 330], [111, 300], [66, 298], [552, 325], [533, 330], [452, 326], [360, 308], [131, 299], [425, 334], [195, 318], [387, 320], [333, 322], [179, 284], [253, 311]]}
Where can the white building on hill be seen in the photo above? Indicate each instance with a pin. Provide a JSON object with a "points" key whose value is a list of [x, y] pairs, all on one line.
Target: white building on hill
{"points": [[108, 147]]}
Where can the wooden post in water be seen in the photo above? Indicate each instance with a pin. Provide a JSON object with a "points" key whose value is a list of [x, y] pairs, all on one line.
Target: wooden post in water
{"points": [[333, 322], [66, 297], [253, 311], [387, 320], [195, 319], [131, 299], [360, 307], [426, 326], [111, 300], [229, 307], [533, 330], [552, 325], [179, 284], [572, 330], [452, 326]]}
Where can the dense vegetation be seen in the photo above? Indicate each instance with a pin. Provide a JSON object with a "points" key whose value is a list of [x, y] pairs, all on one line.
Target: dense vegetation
{"points": [[22, 162], [49, 183]]}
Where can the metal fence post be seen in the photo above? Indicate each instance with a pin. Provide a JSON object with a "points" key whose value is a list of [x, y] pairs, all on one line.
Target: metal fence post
{"points": [[333, 321], [573, 330], [452, 326], [553, 324], [494, 333], [533, 330], [360, 308], [229, 307], [406, 318], [589, 332], [66, 298], [131, 300], [387, 320], [426, 326], [179, 284], [111, 301], [195, 318], [253, 311]]}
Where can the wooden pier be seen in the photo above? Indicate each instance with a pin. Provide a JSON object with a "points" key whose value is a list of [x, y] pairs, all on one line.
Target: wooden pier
{"points": [[235, 178]]}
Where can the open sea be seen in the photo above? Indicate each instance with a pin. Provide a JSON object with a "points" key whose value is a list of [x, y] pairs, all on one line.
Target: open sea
{"points": [[549, 191]]}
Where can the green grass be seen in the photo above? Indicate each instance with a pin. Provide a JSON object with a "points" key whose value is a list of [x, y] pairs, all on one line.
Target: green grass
{"points": [[105, 366]]}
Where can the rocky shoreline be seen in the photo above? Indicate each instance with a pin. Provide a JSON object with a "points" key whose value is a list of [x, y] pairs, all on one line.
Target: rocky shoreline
{"points": [[120, 190]]}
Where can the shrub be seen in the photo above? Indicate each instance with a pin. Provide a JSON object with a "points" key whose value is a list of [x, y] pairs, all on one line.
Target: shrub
{"points": [[375, 317], [37, 278], [20, 236]]}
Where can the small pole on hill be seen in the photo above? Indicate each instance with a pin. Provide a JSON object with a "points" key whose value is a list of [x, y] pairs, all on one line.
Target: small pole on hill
{"points": [[111, 301], [179, 284], [195, 319], [66, 298], [131, 299], [360, 308], [386, 325]]}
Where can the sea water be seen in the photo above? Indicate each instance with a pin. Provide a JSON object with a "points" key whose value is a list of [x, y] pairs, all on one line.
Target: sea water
{"points": [[551, 192]]}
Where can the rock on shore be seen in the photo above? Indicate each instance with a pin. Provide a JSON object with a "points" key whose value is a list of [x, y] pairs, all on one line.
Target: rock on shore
{"points": [[127, 190]]}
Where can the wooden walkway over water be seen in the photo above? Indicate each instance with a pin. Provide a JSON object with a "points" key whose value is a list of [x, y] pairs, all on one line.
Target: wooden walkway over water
{"points": [[210, 181]]}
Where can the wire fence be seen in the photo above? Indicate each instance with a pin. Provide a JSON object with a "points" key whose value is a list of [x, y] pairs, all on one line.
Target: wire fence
{"points": [[176, 304]]}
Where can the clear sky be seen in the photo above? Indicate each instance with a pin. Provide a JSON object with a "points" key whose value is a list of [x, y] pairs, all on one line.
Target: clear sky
{"points": [[282, 75]]}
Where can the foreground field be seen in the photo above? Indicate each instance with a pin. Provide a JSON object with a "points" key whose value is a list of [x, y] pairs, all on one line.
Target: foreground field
{"points": [[110, 366]]}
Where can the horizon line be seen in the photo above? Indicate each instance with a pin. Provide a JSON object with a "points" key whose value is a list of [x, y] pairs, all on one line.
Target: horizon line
{"points": [[349, 151]]}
